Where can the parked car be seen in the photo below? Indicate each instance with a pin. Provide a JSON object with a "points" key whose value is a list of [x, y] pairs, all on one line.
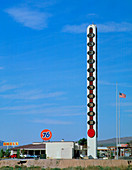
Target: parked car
{"points": [[30, 156], [13, 156], [27, 156], [105, 157], [82, 156]]}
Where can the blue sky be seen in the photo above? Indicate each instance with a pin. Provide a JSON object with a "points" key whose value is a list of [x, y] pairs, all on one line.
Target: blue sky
{"points": [[43, 67]]}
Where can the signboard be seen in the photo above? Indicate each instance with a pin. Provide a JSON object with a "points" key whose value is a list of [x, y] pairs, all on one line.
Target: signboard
{"points": [[10, 143], [46, 134], [122, 145]]}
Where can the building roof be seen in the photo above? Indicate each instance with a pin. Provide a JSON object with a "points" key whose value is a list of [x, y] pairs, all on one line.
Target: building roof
{"points": [[102, 148], [60, 142], [31, 147]]}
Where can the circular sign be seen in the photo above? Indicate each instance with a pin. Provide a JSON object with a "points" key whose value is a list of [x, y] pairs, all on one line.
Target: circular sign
{"points": [[91, 44], [91, 70], [91, 113], [91, 87], [91, 52], [91, 35], [90, 104], [90, 78], [91, 61], [91, 96], [46, 134], [91, 122], [91, 133]]}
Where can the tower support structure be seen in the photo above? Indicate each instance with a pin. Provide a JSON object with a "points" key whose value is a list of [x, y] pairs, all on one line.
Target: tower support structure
{"points": [[92, 122]]}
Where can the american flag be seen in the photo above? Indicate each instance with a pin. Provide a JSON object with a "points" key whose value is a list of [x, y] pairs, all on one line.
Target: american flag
{"points": [[121, 95]]}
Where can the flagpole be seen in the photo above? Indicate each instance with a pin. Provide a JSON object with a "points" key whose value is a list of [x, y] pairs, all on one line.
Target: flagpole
{"points": [[116, 124], [119, 121]]}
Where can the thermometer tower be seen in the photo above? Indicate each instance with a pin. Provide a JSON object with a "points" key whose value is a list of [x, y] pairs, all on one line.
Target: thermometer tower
{"points": [[92, 123]]}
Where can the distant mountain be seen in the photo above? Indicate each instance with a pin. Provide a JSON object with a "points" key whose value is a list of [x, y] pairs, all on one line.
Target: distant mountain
{"points": [[107, 142], [112, 142]]}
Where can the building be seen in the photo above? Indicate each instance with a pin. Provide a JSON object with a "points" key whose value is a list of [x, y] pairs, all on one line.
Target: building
{"points": [[52, 150], [60, 150], [30, 149], [102, 151]]}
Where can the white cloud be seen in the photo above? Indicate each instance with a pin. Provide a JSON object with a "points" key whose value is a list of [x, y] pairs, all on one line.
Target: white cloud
{"points": [[115, 27], [29, 18], [126, 104], [42, 3], [92, 15], [52, 122], [1, 68], [49, 110], [75, 28], [107, 83], [5, 88], [119, 70], [106, 27], [27, 108], [130, 115], [31, 95], [102, 82], [129, 110]]}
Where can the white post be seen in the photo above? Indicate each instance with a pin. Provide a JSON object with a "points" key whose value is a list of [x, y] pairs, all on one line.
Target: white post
{"points": [[116, 123]]}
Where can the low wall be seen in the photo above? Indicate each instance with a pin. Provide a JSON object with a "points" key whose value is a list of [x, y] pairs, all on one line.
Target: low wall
{"points": [[52, 163]]}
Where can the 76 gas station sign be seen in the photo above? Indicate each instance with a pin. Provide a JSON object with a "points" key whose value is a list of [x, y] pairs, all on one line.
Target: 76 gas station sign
{"points": [[46, 134]]}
